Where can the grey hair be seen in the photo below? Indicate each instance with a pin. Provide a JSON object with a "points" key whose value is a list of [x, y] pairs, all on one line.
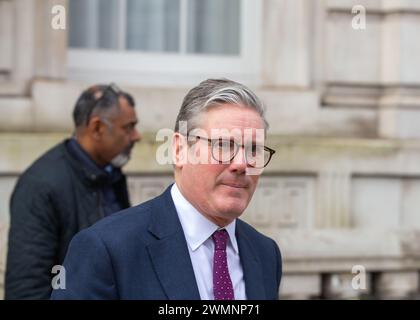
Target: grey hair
{"points": [[215, 92], [97, 100]]}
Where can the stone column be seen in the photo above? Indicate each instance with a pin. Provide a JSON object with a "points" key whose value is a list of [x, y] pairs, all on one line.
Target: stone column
{"points": [[33, 47], [400, 103], [351, 56], [286, 45], [51, 44], [375, 67], [6, 38], [20, 68]]}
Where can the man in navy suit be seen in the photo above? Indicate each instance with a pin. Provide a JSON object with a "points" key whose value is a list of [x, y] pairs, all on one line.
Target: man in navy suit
{"points": [[189, 242]]}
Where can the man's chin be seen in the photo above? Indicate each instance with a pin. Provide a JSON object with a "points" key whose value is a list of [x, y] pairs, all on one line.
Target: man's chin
{"points": [[232, 207], [120, 160]]}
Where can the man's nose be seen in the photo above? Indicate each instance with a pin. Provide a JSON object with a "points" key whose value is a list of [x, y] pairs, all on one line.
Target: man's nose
{"points": [[239, 162], [136, 136]]}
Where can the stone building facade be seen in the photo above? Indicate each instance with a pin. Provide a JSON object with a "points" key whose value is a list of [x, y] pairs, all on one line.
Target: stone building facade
{"points": [[342, 194]]}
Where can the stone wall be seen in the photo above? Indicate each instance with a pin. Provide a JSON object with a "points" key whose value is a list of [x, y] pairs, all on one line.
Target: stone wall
{"points": [[343, 106], [330, 203]]}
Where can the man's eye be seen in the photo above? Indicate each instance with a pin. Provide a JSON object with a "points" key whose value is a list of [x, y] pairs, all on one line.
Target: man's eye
{"points": [[227, 145], [130, 126], [223, 144], [255, 149]]}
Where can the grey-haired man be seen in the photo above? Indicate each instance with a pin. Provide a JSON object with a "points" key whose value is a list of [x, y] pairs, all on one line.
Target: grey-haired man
{"points": [[189, 242]]}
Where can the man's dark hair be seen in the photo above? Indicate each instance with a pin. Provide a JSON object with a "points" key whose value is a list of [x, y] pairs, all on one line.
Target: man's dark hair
{"points": [[98, 100]]}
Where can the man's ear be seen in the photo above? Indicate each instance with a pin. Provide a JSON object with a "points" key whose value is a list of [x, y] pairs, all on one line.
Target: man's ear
{"points": [[95, 128], [179, 150]]}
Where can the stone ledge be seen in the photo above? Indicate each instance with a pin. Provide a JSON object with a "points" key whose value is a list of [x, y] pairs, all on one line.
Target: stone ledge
{"points": [[328, 251], [290, 111], [295, 155], [376, 6]]}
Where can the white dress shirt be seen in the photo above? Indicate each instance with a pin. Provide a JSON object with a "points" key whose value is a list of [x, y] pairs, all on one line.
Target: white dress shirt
{"points": [[198, 231]]}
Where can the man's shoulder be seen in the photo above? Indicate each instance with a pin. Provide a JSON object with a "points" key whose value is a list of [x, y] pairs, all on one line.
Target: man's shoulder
{"points": [[257, 238], [49, 164], [47, 172], [262, 246]]}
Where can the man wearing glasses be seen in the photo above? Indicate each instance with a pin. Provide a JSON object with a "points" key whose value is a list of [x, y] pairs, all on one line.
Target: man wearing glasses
{"points": [[189, 242], [69, 188]]}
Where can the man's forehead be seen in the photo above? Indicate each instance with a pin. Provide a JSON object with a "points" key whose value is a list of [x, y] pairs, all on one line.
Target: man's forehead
{"points": [[232, 132], [126, 108], [126, 115], [226, 118], [235, 121]]}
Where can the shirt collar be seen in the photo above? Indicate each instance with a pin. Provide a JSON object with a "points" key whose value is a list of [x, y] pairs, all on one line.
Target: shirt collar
{"points": [[81, 155], [108, 174], [197, 228]]}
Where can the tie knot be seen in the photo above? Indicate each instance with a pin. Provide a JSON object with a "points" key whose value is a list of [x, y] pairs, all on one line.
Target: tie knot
{"points": [[220, 238]]}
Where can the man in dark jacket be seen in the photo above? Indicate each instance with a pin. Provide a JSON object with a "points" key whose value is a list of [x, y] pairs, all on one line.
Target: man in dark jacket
{"points": [[189, 243], [69, 188]]}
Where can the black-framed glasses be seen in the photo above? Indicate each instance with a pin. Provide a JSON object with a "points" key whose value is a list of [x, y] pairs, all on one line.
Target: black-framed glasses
{"points": [[224, 150], [111, 88]]}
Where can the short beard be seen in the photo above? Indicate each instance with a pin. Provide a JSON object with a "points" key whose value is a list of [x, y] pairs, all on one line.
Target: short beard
{"points": [[123, 157]]}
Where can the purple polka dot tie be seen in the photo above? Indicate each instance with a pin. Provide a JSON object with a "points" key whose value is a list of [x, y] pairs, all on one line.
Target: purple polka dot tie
{"points": [[222, 284]]}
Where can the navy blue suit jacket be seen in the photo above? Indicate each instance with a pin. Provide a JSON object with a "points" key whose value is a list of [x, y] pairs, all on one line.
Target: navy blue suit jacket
{"points": [[141, 253]]}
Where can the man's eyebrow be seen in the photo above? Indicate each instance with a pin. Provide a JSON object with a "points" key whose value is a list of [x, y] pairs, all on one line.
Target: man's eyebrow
{"points": [[133, 122]]}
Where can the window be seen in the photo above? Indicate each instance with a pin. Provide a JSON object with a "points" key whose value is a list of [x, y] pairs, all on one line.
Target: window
{"points": [[163, 41]]}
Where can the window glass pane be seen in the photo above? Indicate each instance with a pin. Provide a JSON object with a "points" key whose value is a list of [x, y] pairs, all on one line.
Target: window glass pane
{"points": [[78, 24], [93, 24], [153, 25], [108, 24], [213, 26]]}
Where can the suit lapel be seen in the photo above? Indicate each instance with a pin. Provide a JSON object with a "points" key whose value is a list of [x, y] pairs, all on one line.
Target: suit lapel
{"points": [[169, 253], [173, 267], [171, 260], [251, 265]]}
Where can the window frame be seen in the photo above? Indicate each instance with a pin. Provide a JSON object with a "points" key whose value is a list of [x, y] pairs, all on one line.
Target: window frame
{"points": [[174, 69]]}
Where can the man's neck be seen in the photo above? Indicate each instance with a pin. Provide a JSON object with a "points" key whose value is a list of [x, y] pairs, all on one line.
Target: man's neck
{"points": [[87, 147]]}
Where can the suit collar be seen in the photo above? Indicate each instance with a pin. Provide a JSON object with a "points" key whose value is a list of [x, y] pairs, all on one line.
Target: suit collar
{"points": [[197, 228], [88, 171], [164, 220], [171, 259], [169, 254], [251, 264]]}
